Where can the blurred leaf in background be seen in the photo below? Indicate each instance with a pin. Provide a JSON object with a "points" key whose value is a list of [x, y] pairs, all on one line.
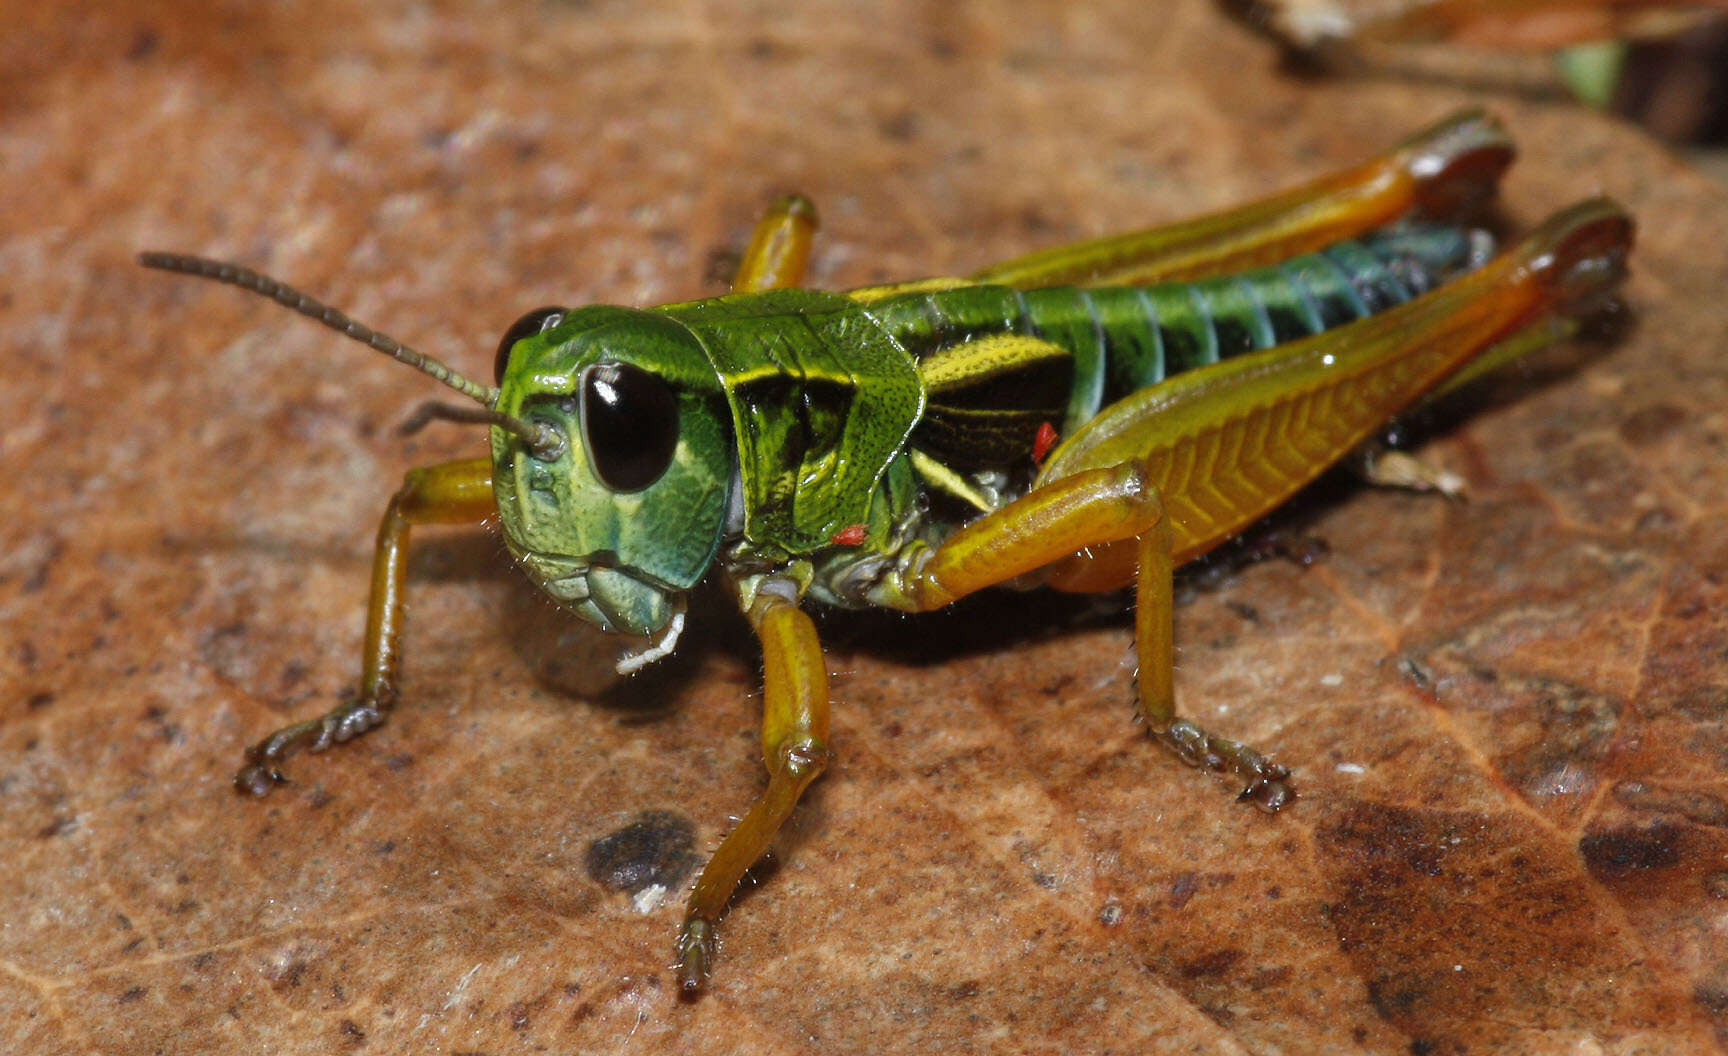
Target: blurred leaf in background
{"points": [[1663, 65]]}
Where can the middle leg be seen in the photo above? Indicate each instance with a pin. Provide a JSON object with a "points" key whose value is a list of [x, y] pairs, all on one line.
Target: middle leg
{"points": [[1265, 784], [779, 248], [1046, 532]]}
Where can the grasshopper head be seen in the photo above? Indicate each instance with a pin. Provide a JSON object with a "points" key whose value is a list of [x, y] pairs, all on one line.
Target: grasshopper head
{"points": [[625, 514]]}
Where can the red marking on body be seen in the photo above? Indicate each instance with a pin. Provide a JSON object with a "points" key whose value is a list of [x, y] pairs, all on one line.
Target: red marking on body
{"points": [[1043, 442], [852, 535]]}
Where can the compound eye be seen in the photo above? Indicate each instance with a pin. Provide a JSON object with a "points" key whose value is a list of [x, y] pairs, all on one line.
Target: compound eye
{"points": [[535, 322], [629, 425]]}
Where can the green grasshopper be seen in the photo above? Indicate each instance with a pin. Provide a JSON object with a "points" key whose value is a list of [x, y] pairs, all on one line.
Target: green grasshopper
{"points": [[1085, 419]]}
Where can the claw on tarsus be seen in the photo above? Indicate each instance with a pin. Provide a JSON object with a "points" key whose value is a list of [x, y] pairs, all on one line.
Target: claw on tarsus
{"points": [[1268, 785], [1271, 791], [254, 779], [695, 956], [263, 769]]}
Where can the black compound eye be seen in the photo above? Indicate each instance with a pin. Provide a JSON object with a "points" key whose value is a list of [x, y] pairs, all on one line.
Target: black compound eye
{"points": [[537, 321], [629, 425]]}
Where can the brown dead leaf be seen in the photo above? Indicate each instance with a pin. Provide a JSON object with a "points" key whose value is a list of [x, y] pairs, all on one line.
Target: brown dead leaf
{"points": [[1506, 715], [1512, 24]]}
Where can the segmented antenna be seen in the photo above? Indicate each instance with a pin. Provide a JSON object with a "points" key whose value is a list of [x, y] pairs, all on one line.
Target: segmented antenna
{"points": [[541, 439], [439, 411]]}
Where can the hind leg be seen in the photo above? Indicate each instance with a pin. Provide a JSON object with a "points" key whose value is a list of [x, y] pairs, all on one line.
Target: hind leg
{"points": [[779, 248]]}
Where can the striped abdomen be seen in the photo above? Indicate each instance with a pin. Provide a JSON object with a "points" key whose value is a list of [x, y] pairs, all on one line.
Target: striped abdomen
{"points": [[1101, 344]]}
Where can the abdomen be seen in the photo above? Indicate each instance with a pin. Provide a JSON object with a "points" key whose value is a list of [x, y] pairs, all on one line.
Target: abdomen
{"points": [[1139, 336], [1104, 343]]}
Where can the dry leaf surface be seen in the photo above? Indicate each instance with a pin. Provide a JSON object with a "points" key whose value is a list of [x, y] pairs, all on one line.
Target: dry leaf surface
{"points": [[1506, 715]]}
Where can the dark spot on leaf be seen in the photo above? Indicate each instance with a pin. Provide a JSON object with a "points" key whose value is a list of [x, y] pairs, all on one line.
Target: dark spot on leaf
{"points": [[287, 977], [1212, 964], [1244, 610], [144, 44], [1648, 425], [1032, 221], [1182, 889], [1711, 991], [1616, 854], [722, 265], [1393, 997], [656, 848], [964, 990], [1425, 899], [236, 629], [900, 127], [38, 701], [351, 1031], [293, 672], [133, 994]]}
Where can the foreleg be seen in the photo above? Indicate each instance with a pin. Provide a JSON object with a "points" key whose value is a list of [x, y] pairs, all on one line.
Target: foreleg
{"points": [[795, 750], [451, 493]]}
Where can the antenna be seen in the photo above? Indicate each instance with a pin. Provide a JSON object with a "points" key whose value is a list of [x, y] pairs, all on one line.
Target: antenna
{"points": [[542, 440]]}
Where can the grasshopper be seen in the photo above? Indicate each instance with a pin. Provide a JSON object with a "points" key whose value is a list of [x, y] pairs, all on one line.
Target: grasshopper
{"points": [[1085, 419]]}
